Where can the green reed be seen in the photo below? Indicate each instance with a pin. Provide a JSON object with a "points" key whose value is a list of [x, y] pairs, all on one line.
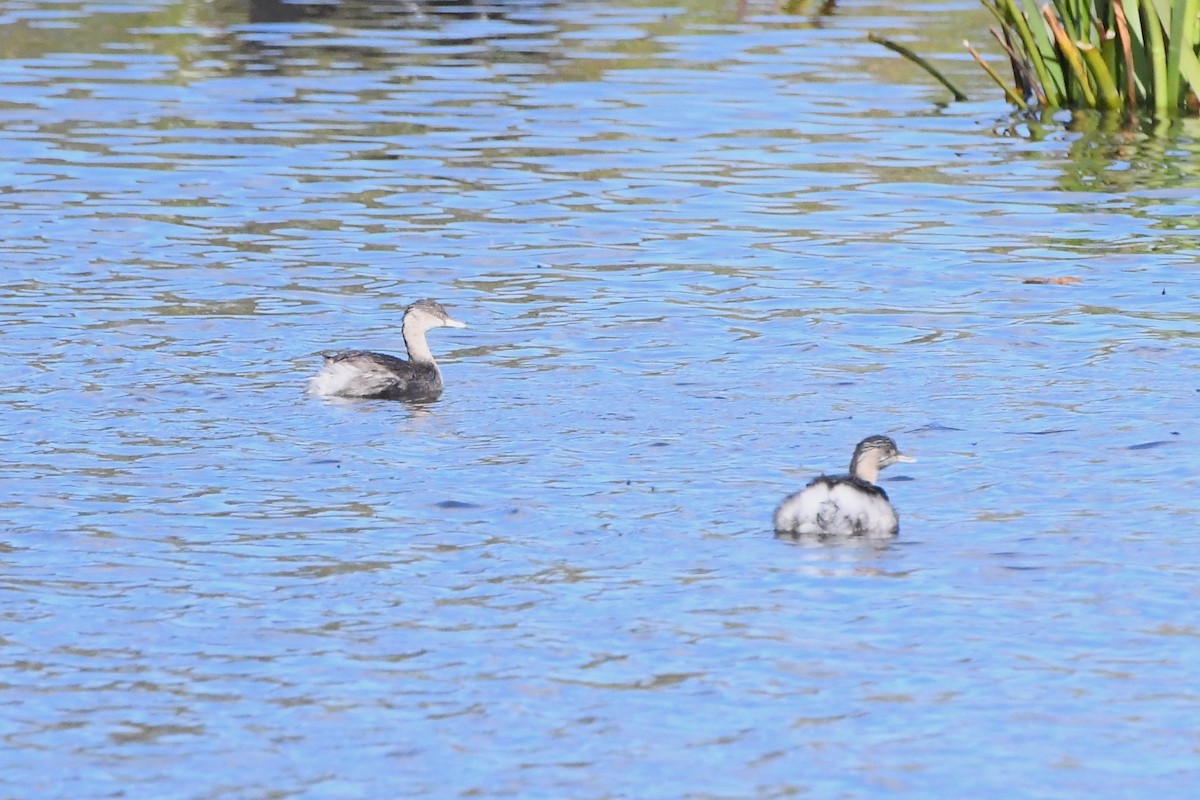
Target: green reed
{"points": [[1110, 55]]}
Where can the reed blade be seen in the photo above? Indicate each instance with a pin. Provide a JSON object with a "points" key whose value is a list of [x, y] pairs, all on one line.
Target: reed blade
{"points": [[1152, 27], [1189, 67], [1068, 17], [1051, 83], [1182, 53], [1026, 81], [920, 62], [1071, 54], [1127, 52], [1009, 92], [1108, 97]]}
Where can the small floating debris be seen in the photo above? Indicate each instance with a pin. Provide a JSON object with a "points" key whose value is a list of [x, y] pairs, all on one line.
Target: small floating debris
{"points": [[1064, 280]]}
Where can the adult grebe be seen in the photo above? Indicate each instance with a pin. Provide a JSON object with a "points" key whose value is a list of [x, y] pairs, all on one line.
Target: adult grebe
{"points": [[845, 505], [376, 376]]}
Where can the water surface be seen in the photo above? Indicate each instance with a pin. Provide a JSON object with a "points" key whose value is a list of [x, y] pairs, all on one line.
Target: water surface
{"points": [[703, 250]]}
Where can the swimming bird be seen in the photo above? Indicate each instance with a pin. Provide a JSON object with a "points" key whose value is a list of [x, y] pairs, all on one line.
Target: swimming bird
{"points": [[845, 505], [376, 376]]}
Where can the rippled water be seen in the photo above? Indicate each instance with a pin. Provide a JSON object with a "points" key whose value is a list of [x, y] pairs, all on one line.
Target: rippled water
{"points": [[702, 249]]}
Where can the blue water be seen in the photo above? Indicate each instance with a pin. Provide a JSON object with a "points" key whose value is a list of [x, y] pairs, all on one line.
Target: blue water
{"points": [[702, 251]]}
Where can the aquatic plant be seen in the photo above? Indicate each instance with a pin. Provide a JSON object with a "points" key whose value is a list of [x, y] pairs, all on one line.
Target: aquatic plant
{"points": [[1120, 55]]}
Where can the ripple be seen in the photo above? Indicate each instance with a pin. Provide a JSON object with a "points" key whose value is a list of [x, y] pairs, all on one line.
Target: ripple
{"points": [[702, 251]]}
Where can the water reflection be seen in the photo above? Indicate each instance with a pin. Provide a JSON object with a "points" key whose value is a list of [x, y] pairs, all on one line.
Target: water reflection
{"points": [[284, 11], [696, 246], [1106, 155], [406, 13]]}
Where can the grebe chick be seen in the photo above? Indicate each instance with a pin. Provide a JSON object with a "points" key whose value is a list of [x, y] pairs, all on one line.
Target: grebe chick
{"points": [[376, 376], [845, 505]]}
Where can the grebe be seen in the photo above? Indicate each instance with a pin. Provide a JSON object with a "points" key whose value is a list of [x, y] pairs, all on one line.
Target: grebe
{"points": [[845, 505], [376, 376]]}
